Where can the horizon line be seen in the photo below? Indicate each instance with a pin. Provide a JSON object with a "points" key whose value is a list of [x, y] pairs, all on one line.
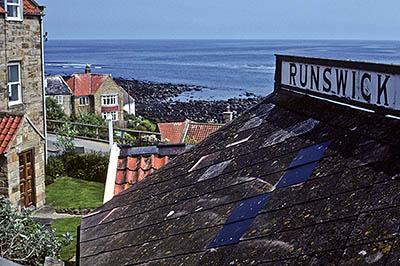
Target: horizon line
{"points": [[216, 39]]}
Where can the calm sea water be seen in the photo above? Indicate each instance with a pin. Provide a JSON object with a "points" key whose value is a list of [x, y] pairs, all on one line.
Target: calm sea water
{"points": [[227, 68]]}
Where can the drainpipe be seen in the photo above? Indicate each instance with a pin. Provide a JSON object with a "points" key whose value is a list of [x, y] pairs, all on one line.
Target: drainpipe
{"points": [[44, 91], [110, 131]]}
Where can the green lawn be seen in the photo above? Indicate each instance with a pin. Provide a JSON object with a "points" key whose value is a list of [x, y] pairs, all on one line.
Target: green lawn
{"points": [[67, 225], [71, 193]]}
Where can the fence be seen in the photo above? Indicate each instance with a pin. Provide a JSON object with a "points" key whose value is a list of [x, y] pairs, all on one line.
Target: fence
{"points": [[100, 133]]}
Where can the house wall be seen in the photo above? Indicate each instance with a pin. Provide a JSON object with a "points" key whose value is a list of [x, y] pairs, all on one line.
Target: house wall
{"points": [[21, 41], [67, 104], [109, 87], [26, 139], [79, 110]]}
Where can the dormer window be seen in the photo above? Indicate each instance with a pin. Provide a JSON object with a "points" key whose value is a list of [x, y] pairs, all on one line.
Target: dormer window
{"points": [[14, 9]]}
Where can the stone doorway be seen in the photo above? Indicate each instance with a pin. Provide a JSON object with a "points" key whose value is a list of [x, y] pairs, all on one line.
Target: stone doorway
{"points": [[26, 178]]}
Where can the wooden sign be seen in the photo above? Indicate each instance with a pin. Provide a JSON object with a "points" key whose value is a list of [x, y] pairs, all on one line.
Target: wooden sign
{"points": [[367, 85]]}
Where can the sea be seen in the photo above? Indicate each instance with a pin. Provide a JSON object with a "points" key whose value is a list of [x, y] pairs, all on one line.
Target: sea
{"points": [[222, 68]]}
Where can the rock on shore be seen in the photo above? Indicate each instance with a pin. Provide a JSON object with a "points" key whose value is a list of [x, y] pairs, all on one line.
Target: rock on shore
{"points": [[153, 102]]}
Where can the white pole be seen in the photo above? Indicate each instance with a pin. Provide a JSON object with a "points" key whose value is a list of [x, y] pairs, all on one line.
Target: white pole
{"points": [[110, 131]]}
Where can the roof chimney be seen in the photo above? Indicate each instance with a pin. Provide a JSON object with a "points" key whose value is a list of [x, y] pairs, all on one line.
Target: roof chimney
{"points": [[88, 70], [228, 115]]}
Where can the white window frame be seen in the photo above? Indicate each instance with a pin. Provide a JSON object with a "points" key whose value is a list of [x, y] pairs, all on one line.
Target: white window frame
{"points": [[114, 115], [9, 84], [59, 99], [20, 10], [83, 100], [109, 100]]}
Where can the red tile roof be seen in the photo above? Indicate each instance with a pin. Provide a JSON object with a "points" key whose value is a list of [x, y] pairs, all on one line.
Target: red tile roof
{"points": [[30, 8], [172, 131], [199, 131], [85, 84], [177, 132], [9, 126], [131, 170]]}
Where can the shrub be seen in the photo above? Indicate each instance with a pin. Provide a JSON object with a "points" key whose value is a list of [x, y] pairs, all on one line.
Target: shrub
{"points": [[55, 167], [54, 110], [65, 138], [48, 180], [23, 240]]}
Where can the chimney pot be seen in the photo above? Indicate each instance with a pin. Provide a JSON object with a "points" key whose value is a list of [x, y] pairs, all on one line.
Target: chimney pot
{"points": [[88, 70]]}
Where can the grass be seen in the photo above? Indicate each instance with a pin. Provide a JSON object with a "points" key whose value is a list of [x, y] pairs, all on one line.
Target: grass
{"points": [[67, 225], [71, 193]]}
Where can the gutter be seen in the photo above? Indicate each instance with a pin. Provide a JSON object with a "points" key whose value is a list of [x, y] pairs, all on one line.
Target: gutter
{"points": [[43, 92]]}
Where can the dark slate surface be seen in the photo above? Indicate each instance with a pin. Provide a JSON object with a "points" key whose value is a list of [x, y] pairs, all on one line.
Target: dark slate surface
{"points": [[343, 209], [55, 85]]}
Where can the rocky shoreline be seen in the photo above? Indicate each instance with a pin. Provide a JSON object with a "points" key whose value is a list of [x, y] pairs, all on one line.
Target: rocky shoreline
{"points": [[153, 101]]}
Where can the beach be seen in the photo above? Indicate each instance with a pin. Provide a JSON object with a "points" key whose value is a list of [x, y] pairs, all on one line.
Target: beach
{"points": [[160, 102]]}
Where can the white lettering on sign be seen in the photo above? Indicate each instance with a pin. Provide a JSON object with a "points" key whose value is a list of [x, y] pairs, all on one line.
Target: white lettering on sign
{"points": [[381, 89]]}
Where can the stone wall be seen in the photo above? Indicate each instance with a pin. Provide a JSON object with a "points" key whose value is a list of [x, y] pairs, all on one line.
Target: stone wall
{"points": [[20, 41], [82, 109], [67, 104], [109, 87], [26, 139]]}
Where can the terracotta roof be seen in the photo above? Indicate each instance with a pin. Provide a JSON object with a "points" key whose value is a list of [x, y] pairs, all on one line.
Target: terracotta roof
{"points": [[29, 8], [85, 84], [9, 126], [2, 9], [134, 169], [179, 131], [199, 131], [172, 131]]}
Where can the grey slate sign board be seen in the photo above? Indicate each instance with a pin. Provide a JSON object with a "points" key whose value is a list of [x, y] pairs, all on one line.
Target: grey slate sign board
{"points": [[368, 85]]}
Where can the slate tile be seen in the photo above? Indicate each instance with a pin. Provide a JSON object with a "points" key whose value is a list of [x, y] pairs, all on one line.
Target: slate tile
{"points": [[376, 226], [383, 195], [249, 252], [328, 258], [269, 223], [289, 244], [359, 178], [370, 254], [394, 256], [215, 256], [332, 235], [345, 205]]}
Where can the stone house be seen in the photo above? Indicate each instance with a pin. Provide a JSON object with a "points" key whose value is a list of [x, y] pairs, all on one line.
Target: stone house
{"points": [[22, 110], [57, 88], [97, 94]]}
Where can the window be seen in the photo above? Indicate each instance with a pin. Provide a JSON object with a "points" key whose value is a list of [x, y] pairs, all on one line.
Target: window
{"points": [[14, 84], [14, 10], [106, 114], [84, 100], [59, 99], [109, 100]]}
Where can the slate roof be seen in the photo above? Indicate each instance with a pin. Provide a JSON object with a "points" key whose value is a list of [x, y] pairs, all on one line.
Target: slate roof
{"points": [[29, 8], [292, 181], [85, 84], [9, 125], [55, 85], [178, 131]]}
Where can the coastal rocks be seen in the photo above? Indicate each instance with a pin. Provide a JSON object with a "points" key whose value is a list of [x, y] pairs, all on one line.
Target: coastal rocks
{"points": [[153, 101]]}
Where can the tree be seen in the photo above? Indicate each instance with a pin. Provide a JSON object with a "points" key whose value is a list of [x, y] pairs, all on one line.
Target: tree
{"points": [[54, 110], [23, 240], [65, 138]]}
